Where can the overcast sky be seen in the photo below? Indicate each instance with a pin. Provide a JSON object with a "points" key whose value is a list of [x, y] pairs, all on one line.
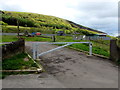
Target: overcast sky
{"points": [[97, 14]]}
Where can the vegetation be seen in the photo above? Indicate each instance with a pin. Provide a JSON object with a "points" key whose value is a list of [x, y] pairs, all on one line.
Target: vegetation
{"points": [[17, 62], [11, 38], [99, 47], [43, 23]]}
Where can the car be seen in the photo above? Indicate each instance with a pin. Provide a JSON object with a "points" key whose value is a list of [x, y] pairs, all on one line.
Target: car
{"points": [[33, 33], [37, 33]]}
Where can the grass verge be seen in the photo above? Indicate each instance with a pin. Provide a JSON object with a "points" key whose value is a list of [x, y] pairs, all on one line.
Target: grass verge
{"points": [[11, 38], [18, 62]]}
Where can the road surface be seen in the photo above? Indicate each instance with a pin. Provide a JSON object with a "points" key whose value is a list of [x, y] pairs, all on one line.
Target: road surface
{"points": [[23, 33], [75, 69], [71, 69]]}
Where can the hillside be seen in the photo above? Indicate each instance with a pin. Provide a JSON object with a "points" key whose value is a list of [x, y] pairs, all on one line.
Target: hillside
{"points": [[43, 23]]}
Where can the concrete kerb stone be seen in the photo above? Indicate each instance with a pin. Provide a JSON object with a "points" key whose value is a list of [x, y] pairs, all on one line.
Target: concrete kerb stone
{"points": [[40, 69]]}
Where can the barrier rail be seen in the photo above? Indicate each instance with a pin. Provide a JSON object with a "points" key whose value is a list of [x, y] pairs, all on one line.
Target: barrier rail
{"points": [[35, 46]]}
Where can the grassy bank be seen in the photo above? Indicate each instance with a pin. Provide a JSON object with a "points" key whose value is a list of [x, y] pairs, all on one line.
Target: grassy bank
{"points": [[100, 47], [17, 62], [34, 22], [13, 29]]}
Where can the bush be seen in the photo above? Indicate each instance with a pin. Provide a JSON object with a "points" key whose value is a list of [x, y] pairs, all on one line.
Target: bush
{"points": [[3, 23], [13, 21]]}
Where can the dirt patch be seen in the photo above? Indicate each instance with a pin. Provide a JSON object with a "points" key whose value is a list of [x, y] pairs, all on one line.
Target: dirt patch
{"points": [[26, 59]]}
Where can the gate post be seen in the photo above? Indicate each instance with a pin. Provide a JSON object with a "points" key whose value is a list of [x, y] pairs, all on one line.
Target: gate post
{"points": [[34, 51], [90, 49], [114, 50]]}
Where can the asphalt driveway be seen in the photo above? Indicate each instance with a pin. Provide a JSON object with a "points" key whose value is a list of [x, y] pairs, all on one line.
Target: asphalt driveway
{"points": [[67, 68]]}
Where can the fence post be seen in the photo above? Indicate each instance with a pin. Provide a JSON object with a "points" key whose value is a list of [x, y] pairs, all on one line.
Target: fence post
{"points": [[34, 51], [90, 49], [37, 57], [53, 38]]}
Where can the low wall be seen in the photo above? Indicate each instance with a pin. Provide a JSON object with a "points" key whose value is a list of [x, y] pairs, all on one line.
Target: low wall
{"points": [[13, 48], [114, 50]]}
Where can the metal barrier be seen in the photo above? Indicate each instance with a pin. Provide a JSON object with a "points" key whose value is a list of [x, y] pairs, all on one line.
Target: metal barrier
{"points": [[35, 46]]}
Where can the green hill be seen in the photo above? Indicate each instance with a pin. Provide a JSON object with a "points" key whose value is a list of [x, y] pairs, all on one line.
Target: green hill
{"points": [[43, 23]]}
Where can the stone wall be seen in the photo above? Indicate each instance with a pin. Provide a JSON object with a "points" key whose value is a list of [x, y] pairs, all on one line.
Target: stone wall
{"points": [[114, 50], [13, 48]]}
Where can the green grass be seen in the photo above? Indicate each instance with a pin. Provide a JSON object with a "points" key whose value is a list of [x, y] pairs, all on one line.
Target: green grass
{"points": [[11, 38], [36, 38], [1, 45], [95, 49], [99, 47], [17, 62]]}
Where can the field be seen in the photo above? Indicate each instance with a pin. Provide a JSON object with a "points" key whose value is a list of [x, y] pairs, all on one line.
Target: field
{"points": [[100, 47]]}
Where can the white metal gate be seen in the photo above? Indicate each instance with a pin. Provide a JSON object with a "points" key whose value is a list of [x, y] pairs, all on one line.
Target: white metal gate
{"points": [[35, 46]]}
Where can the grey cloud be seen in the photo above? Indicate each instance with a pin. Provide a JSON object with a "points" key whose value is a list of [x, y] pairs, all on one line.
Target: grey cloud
{"points": [[108, 25], [99, 9], [7, 7], [98, 15], [94, 6]]}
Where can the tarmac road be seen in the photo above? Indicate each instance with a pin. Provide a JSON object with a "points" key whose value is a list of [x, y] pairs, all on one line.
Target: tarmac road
{"points": [[23, 33], [68, 68], [75, 69]]}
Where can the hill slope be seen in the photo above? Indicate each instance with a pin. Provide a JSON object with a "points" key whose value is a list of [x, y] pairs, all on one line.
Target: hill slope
{"points": [[39, 22]]}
